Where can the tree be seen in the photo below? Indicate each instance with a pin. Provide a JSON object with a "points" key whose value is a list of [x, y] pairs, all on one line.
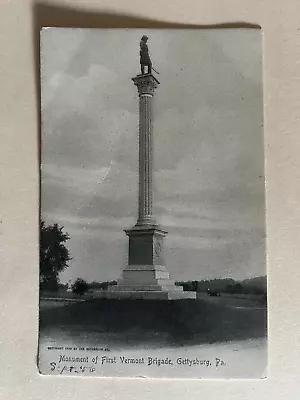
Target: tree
{"points": [[80, 286], [236, 288], [54, 255]]}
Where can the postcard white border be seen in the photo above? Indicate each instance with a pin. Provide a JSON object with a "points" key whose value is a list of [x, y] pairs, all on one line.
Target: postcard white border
{"points": [[20, 189]]}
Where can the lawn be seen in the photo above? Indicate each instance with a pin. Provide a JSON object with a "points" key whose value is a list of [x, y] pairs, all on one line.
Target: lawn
{"points": [[176, 323]]}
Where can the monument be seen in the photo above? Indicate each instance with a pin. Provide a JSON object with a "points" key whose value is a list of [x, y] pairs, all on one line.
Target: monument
{"points": [[146, 276]]}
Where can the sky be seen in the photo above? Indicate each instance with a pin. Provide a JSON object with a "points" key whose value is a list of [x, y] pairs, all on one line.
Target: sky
{"points": [[208, 148]]}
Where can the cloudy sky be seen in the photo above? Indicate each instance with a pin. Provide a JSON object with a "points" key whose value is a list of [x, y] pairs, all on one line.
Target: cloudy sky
{"points": [[208, 148]]}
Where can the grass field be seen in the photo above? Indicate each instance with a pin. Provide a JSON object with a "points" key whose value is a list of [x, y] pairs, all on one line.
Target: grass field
{"points": [[235, 300], [177, 322]]}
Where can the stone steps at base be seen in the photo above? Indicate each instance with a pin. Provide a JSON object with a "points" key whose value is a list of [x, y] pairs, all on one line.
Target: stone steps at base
{"points": [[127, 286], [151, 284]]}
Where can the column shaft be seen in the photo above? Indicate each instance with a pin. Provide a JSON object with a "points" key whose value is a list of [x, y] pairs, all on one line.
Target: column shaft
{"points": [[146, 85], [145, 160]]}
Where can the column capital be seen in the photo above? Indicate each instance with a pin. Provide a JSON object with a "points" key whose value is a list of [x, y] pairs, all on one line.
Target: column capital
{"points": [[146, 84]]}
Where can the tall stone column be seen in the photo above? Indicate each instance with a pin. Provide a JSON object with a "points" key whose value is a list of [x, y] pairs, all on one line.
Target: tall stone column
{"points": [[145, 276], [145, 238], [146, 85]]}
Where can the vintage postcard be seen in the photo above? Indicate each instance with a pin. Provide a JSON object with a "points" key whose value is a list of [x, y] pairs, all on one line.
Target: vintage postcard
{"points": [[152, 232]]}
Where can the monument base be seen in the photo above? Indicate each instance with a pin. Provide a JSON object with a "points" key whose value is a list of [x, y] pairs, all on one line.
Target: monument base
{"points": [[148, 282]]}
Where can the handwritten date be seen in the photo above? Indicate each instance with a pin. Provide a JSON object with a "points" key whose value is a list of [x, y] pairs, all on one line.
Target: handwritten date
{"points": [[71, 369]]}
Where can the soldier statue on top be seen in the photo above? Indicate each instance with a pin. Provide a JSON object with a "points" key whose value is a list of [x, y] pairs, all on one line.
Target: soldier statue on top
{"points": [[145, 60]]}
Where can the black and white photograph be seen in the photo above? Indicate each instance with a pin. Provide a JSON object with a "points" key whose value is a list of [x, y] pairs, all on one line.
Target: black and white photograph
{"points": [[152, 220]]}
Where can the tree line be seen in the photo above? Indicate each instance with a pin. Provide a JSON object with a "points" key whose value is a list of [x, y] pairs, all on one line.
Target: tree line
{"points": [[226, 285], [230, 286]]}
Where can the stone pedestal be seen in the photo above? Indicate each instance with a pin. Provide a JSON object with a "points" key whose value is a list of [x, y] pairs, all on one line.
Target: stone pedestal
{"points": [[146, 276]]}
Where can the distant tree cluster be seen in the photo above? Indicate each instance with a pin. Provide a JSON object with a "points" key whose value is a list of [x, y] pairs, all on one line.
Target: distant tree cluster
{"points": [[80, 286], [226, 285]]}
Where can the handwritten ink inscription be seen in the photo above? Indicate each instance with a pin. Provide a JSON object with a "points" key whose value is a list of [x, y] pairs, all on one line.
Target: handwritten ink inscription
{"points": [[71, 369]]}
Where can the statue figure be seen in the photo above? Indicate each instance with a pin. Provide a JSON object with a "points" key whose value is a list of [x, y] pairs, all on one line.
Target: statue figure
{"points": [[145, 60]]}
